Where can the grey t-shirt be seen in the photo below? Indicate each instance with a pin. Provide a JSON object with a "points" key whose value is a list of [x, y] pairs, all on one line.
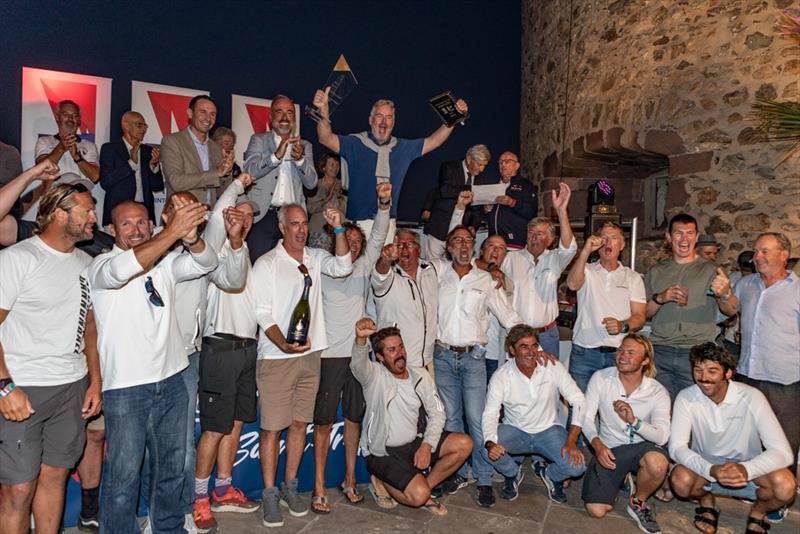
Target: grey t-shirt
{"points": [[403, 414], [683, 326]]}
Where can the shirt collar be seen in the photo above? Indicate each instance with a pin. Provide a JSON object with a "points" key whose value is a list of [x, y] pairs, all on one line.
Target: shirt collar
{"points": [[195, 139]]}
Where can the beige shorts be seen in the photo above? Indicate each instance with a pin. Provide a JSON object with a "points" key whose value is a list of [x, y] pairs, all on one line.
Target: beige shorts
{"points": [[287, 390]]}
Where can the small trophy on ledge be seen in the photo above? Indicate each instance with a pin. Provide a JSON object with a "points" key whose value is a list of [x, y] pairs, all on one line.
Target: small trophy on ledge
{"points": [[342, 81], [445, 106]]}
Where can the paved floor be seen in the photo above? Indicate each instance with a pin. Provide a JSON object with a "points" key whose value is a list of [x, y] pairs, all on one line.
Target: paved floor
{"points": [[531, 513]]}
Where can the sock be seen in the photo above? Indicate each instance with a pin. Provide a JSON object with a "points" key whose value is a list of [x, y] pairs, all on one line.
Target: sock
{"points": [[221, 485], [89, 501], [201, 488]]}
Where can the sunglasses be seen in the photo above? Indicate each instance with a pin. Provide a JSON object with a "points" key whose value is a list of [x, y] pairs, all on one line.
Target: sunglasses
{"points": [[73, 188], [153, 296]]}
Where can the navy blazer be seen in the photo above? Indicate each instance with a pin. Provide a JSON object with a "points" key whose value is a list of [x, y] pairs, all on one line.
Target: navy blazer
{"points": [[452, 180], [118, 179], [512, 222]]}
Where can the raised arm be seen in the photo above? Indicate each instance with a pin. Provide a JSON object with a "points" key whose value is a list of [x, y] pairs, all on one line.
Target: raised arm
{"points": [[324, 129], [577, 275], [437, 138], [561, 203], [45, 170], [380, 229], [363, 369]]}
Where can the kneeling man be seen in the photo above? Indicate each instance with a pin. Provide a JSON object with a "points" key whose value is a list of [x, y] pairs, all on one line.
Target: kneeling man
{"points": [[403, 436], [737, 445]]}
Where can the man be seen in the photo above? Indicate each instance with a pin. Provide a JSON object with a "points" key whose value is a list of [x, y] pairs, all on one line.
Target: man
{"points": [[536, 270], [287, 374], [708, 247], [493, 252], [454, 177], [129, 169], [226, 139], [611, 303], [511, 212], [142, 356], [466, 296], [684, 292], [191, 161], [405, 436], [737, 445], [528, 389], [634, 427], [48, 348], [281, 164], [375, 155], [344, 303], [770, 319]]}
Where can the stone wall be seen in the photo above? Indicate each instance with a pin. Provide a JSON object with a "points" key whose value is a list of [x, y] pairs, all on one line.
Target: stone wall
{"points": [[674, 78]]}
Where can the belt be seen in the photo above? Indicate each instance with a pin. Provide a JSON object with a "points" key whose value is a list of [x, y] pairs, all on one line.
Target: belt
{"points": [[229, 341], [546, 328], [453, 348], [605, 349]]}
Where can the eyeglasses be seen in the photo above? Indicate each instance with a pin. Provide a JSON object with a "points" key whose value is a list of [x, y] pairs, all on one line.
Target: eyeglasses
{"points": [[153, 296], [406, 244]]}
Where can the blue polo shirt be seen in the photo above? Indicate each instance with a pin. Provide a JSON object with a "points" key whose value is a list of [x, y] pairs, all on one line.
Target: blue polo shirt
{"points": [[362, 202]]}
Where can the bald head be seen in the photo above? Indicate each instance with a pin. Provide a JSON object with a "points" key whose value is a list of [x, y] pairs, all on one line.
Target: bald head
{"points": [[133, 127]]}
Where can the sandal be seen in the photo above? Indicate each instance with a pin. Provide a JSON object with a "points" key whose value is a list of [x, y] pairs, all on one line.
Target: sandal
{"points": [[700, 518], [435, 507], [757, 522], [664, 494], [383, 501], [352, 494], [319, 504]]}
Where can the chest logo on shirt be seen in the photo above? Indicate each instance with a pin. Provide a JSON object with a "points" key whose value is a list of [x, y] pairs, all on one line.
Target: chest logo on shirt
{"points": [[84, 310]]}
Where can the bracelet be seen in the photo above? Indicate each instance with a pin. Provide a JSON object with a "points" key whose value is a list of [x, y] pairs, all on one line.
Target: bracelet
{"points": [[7, 390], [193, 243], [339, 230], [726, 296], [78, 159], [654, 298], [384, 204]]}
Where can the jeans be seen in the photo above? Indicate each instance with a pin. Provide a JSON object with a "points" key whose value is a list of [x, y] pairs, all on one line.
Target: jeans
{"points": [[461, 381], [784, 400], [547, 443], [491, 367], [673, 368], [548, 340], [149, 417], [583, 362]]}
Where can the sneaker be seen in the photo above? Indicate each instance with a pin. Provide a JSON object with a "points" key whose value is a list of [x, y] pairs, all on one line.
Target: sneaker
{"points": [[555, 490], [510, 490], [629, 486], [232, 501], [643, 514], [454, 483], [144, 524], [437, 492], [203, 519], [484, 496], [188, 524], [290, 498], [270, 508], [776, 516], [88, 524]]}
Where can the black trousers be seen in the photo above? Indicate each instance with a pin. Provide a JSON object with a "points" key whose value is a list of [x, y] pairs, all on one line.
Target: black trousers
{"points": [[264, 235]]}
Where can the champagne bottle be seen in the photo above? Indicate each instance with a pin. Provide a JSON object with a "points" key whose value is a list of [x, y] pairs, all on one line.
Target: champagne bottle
{"points": [[301, 315]]}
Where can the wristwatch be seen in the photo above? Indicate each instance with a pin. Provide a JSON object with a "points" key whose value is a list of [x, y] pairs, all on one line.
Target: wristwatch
{"points": [[489, 444], [654, 298], [625, 327], [5, 381]]}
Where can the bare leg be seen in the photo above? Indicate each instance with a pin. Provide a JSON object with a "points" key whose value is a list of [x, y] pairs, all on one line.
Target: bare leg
{"points": [[207, 447], [90, 467], [598, 510], [689, 485], [227, 450], [454, 452], [415, 495], [652, 471], [268, 453], [775, 490], [295, 445], [48, 499], [15, 507], [352, 432], [322, 440]]}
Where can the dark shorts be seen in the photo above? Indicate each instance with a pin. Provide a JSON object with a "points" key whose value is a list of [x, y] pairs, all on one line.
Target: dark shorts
{"points": [[601, 485], [397, 467], [54, 435], [337, 381], [227, 388]]}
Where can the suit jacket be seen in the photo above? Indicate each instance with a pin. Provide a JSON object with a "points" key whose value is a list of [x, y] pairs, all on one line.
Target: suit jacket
{"points": [[183, 171], [512, 222], [452, 180], [259, 163], [118, 178]]}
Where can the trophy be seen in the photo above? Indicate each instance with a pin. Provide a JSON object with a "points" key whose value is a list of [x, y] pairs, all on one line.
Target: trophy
{"points": [[445, 106], [342, 81]]}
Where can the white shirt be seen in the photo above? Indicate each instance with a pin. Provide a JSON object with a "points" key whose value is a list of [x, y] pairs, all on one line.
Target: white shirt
{"points": [[137, 169], [650, 404], [536, 295], [277, 285], [232, 311], [531, 404], [403, 412], [605, 294], [48, 299], [496, 347], [140, 343], [742, 429], [464, 305]]}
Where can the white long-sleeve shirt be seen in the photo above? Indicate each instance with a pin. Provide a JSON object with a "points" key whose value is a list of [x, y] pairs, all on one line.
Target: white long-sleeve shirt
{"points": [[742, 429], [536, 282], [465, 303], [650, 403], [531, 404]]}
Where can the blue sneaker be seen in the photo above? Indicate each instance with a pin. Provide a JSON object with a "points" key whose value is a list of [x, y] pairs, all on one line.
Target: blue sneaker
{"points": [[510, 490], [776, 516], [555, 490]]}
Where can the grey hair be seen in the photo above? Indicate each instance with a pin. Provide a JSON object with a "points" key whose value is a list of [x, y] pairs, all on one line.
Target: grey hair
{"points": [[285, 209], [783, 241], [279, 97], [479, 152], [406, 231], [379, 103], [543, 220], [70, 102], [222, 131]]}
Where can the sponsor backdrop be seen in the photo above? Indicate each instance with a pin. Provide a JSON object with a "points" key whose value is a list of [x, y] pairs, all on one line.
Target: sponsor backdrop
{"points": [[250, 115]]}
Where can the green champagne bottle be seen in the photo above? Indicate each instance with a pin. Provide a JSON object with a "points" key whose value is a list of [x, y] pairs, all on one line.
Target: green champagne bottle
{"points": [[301, 315]]}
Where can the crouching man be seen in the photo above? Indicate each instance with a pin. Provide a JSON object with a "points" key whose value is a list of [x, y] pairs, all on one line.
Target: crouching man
{"points": [[403, 441]]}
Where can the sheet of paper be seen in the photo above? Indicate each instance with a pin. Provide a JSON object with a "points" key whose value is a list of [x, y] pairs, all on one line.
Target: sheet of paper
{"points": [[485, 194]]}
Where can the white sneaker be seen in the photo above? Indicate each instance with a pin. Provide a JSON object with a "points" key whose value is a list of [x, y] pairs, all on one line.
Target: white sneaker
{"points": [[188, 524], [144, 525]]}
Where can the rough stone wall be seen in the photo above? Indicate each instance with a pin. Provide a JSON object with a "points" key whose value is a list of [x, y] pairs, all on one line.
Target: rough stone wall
{"points": [[689, 66]]}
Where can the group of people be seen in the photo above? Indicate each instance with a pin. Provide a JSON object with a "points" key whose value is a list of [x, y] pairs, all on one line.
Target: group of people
{"points": [[133, 328]]}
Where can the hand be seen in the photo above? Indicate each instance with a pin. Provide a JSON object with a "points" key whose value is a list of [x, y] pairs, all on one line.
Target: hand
{"points": [[545, 358], [464, 198], [593, 243], [604, 455], [496, 451], [92, 401], [730, 474], [384, 192], [321, 100], [234, 226], [16, 406], [298, 150], [226, 165], [282, 146], [461, 105], [487, 208], [624, 411], [333, 217], [721, 284], [70, 141], [505, 200], [389, 253], [425, 215], [675, 294], [245, 179], [571, 452], [185, 218], [155, 157], [561, 200], [364, 328], [134, 152], [613, 326], [295, 348], [499, 277], [422, 458], [46, 171]]}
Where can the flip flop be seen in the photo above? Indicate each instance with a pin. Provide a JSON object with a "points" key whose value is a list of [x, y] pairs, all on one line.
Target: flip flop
{"points": [[351, 494], [435, 507], [319, 504], [663, 495], [384, 501]]}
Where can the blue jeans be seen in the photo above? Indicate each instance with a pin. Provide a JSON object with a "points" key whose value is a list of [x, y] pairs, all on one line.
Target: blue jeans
{"points": [[491, 367], [548, 340], [547, 443], [583, 363], [461, 381], [148, 417], [673, 368]]}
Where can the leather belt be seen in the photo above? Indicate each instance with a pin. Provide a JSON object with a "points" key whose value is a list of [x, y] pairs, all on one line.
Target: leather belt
{"points": [[545, 328], [229, 341], [605, 349], [453, 348]]}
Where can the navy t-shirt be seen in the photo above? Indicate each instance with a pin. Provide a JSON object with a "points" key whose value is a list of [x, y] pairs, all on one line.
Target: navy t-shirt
{"points": [[362, 203]]}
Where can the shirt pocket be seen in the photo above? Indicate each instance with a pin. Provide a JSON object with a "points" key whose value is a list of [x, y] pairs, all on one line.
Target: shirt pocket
{"points": [[473, 300]]}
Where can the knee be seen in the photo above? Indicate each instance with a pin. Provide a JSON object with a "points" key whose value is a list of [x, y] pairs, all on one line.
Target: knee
{"points": [[784, 486], [655, 463], [463, 444], [52, 475], [682, 481], [19, 496], [299, 426], [575, 471], [96, 436], [417, 493], [598, 511], [323, 430]]}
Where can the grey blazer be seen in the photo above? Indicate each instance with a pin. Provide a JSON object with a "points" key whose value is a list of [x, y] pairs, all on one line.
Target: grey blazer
{"points": [[259, 163], [183, 171]]}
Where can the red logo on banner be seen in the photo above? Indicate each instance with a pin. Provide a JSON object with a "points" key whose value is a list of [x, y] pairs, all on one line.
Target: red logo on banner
{"points": [[165, 106], [83, 94], [259, 117]]}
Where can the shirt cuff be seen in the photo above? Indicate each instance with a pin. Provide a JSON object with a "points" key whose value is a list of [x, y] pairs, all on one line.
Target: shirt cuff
{"points": [[273, 159], [300, 162]]}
